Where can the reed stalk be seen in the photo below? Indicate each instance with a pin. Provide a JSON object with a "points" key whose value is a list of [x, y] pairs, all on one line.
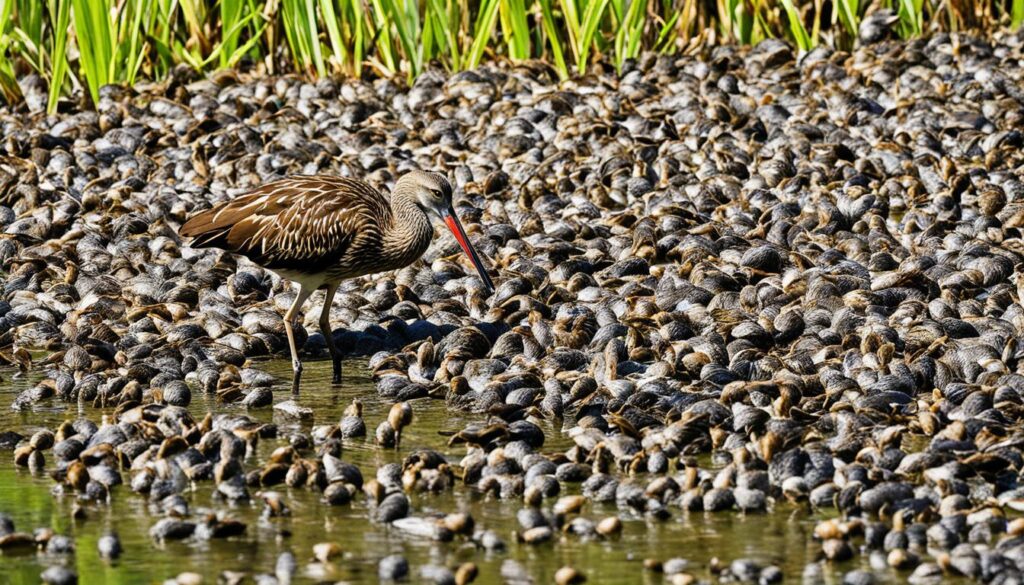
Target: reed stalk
{"points": [[90, 43]]}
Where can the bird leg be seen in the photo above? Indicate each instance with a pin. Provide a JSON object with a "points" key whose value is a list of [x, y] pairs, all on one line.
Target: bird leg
{"points": [[325, 328], [290, 320]]}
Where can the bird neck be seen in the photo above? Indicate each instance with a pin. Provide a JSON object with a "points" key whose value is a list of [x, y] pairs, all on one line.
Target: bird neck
{"points": [[410, 231]]}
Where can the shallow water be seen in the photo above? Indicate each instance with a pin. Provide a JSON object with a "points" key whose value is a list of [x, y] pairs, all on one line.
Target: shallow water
{"points": [[782, 537]]}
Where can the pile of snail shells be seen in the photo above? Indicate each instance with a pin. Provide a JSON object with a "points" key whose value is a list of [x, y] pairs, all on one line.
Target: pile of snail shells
{"points": [[806, 265]]}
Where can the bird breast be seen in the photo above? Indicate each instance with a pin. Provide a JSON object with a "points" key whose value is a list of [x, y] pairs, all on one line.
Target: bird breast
{"points": [[401, 245]]}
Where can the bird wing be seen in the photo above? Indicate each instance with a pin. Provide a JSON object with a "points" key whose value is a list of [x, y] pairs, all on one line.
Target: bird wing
{"points": [[304, 223]]}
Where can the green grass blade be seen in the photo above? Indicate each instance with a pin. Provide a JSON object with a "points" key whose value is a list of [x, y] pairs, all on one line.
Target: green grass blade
{"points": [[193, 11], [333, 26], [618, 10], [506, 25], [159, 29], [726, 16], [572, 25], [28, 30], [667, 34], [313, 38], [219, 50], [911, 15], [301, 33], [548, 22], [358, 38], [515, 28], [849, 15], [431, 44], [762, 28], [1016, 13], [8, 83], [336, 34], [93, 32], [134, 46], [182, 54], [796, 26], [32, 53], [521, 27], [592, 16], [230, 16], [291, 25], [383, 34], [405, 16], [249, 44], [30, 18], [745, 23], [441, 18], [102, 37], [630, 33], [482, 32]]}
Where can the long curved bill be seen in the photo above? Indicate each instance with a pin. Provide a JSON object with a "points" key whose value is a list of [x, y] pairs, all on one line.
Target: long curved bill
{"points": [[452, 221]]}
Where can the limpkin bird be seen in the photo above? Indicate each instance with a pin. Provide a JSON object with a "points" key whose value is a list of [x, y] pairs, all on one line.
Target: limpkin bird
{"points": [[319, 230]]}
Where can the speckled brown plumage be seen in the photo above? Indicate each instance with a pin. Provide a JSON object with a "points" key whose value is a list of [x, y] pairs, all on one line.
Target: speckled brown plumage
{"points": [[306, 224], [318, 230]]}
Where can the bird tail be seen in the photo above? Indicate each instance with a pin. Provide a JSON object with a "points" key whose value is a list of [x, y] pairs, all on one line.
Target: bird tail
{"points": [[203, 228]]}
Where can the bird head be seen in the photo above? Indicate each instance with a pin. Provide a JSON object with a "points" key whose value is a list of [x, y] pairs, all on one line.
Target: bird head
{"points": [[433, 194]]}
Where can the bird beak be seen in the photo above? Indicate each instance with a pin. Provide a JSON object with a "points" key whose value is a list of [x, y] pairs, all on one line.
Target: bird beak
{"points": [[452, 221]]}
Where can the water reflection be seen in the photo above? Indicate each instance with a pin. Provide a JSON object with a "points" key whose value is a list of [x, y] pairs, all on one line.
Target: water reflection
{"points": [[782, 537]]}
